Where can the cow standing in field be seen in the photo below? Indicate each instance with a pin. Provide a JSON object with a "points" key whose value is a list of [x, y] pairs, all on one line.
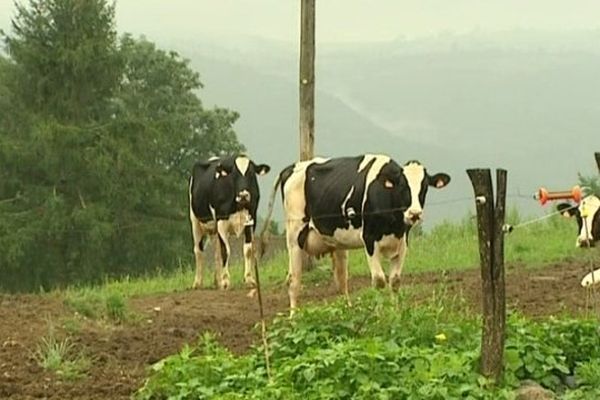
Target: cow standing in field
{"points": [[224, 194], [587, 214], [369, 201]]}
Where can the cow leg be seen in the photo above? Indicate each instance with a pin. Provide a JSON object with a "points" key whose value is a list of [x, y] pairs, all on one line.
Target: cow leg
{"points": [[397, 263], [222, 252], [198, 237], [295, 275], [294, 268], [249, 261], [340, 268], [374, 260]]}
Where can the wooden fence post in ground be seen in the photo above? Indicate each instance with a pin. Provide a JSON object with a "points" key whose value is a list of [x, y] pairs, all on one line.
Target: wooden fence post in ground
{"points": [[597, 155], [490, 222], [307, 92]]}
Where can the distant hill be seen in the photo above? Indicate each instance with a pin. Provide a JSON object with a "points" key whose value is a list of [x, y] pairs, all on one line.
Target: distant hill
{"points": [[524, 101]]}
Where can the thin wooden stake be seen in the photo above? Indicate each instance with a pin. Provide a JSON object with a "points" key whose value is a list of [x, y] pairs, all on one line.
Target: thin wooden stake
{"points": [[249, 234]]}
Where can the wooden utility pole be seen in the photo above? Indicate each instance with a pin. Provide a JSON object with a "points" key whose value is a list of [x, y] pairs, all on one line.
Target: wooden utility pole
{"points": [[490, 221], [307, 79]]}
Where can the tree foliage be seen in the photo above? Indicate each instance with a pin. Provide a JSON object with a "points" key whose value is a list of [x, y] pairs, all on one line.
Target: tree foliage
{"points": [[97, 135]]}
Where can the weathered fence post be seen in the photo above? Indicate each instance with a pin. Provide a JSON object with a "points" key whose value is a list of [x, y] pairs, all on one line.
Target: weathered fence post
{"points": [[490, 222], [597, 155]]}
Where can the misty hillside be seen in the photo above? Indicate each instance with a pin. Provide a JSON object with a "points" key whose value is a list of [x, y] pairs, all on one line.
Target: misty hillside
{"points": [[527, 103]]}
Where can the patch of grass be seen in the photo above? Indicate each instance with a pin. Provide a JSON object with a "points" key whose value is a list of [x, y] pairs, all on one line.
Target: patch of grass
{"points": [[71, 325], [61, 357], [97, 303], [115, 307], [447, 246]]}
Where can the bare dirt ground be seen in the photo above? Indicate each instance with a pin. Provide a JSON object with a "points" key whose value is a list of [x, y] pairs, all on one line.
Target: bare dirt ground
{"points": [[122, 353]]}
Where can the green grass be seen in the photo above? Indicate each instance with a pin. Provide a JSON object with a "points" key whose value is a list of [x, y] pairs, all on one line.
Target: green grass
{"points": [[60, 356], [448, 246]]}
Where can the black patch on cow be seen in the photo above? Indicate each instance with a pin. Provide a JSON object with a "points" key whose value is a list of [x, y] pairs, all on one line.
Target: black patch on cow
{"points": [[327, 188], [385, 206], [248, 230], [303, 236], [202, 243], [215, 183], [596, 226], [284, 175]]}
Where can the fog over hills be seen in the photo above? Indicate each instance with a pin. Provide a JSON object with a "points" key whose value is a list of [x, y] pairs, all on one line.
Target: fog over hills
{"points": [[526, 101]]}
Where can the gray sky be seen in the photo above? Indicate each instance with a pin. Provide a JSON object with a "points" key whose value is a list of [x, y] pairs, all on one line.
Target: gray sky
{"points": [[345, 20]]}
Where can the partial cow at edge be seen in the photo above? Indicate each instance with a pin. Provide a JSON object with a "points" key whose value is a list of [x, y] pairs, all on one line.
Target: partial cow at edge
{"points": [[587, 214], [332, 205], [224, 195]]}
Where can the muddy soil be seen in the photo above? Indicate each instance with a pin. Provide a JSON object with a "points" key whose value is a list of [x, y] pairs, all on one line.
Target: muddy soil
{"points": [[121, 354]]}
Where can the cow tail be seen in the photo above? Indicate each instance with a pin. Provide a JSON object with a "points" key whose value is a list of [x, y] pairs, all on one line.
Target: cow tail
{"points": [[264, 232]]}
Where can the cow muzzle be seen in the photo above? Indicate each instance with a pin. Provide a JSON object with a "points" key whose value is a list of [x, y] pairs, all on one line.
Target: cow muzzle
{"points": [[243, 197], [412, 216]]}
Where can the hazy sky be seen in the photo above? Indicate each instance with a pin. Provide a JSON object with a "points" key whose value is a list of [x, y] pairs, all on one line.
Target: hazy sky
{"points": [[345, 20]]}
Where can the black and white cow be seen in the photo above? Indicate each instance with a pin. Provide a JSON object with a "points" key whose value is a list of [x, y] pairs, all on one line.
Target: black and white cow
{"points": [[223, 193], [587, 214], [332, 205]]}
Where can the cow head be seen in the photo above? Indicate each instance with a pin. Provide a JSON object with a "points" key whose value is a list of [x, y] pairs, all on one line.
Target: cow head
{"points": [[587, 214], [242, 172], [418, 182]]}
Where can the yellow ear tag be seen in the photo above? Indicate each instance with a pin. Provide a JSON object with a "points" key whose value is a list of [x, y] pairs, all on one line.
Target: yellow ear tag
{"points": [[388, 184], [583, 210]]}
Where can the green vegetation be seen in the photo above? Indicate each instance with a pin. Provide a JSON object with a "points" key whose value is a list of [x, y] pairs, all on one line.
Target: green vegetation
{"points": [[97, 135], [448, 246], [61, 356], [107, 305], [384, 348]]}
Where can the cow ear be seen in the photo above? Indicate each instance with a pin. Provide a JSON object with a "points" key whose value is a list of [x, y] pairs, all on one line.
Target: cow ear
{"points": [[439, 181], [262, 169], [567, 210]]}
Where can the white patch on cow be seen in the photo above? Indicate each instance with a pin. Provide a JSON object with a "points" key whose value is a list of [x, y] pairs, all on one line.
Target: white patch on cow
{"points": [[389, 245], [242, 164], [378, 164], [366, 160], [591, 278], [589, 207], [345, 238], [414, 173], [343, 207], [214, 158], [236, 222]]}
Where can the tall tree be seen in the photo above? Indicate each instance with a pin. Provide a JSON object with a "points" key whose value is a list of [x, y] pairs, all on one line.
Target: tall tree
{"points": [[67, 53], [95, 156]]}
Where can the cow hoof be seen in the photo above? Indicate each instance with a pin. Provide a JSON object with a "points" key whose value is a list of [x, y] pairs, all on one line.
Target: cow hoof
{"points": [[250, 282], [379, 282], [395, 283], [225, 284]]}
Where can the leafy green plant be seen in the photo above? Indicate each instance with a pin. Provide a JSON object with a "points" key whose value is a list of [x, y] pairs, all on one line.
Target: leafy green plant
{"points": [[384, 348]]}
